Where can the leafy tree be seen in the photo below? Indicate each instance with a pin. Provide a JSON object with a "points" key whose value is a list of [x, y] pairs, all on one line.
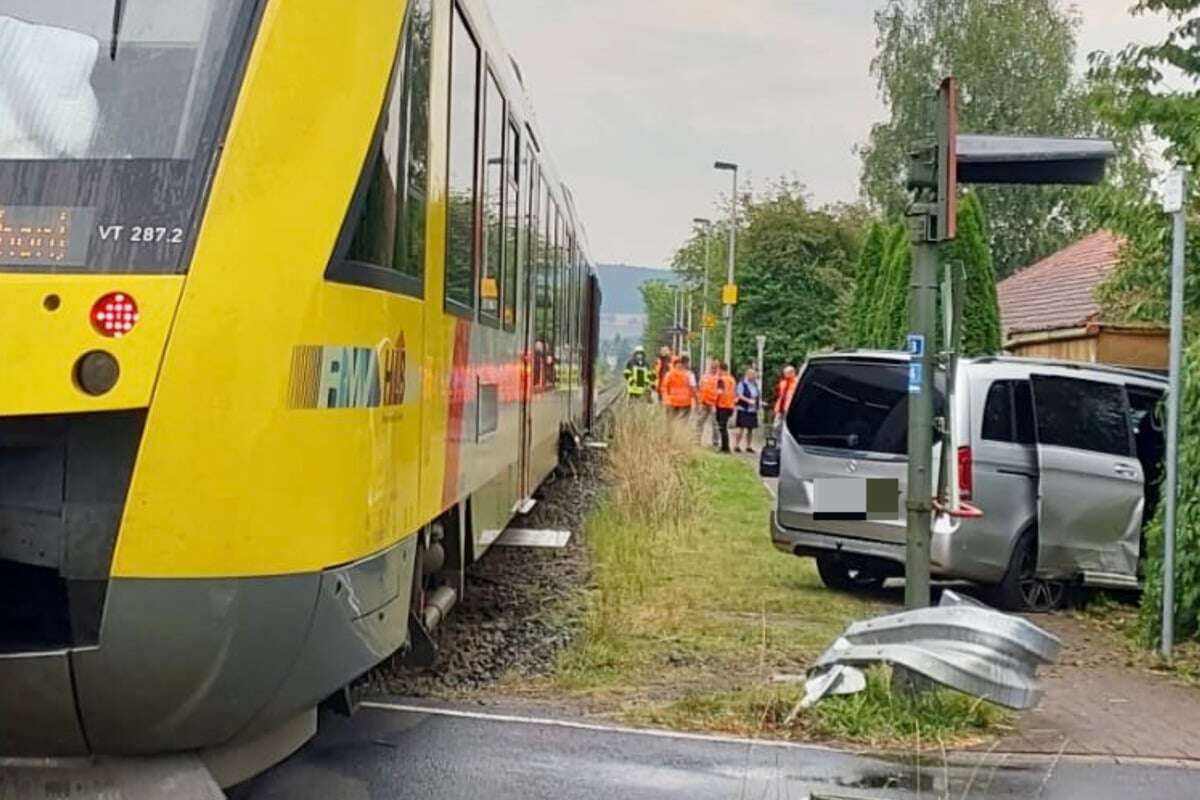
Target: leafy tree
{"points": [[1015, 65], [1137, 98], [887, 314], [981, 306], [885, 320], [659, 300], [866, 285], [796, 270]]}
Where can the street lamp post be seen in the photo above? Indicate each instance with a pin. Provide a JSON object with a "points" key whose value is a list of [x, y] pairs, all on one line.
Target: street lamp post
{"points": [[687, 304], [727, 166], [706, 224]]}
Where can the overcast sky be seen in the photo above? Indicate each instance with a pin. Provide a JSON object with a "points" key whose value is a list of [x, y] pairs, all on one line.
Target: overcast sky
{"points": [[637, 98]]}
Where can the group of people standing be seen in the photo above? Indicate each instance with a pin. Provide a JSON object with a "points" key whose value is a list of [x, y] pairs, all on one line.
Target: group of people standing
{"points": [[715, 398]]}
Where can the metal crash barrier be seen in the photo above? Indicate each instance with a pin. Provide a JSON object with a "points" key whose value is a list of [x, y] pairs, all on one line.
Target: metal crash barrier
{"points": [[960, 644]]}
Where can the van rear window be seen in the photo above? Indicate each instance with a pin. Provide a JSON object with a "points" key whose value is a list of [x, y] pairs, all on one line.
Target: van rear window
{"points": [[856, 405]]}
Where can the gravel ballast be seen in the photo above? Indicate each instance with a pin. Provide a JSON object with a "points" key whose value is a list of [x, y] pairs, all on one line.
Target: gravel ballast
{"points": [[521, 605]]}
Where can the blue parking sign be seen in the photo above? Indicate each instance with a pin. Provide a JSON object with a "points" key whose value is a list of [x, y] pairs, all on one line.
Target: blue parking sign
{"points": [[916, 345], [916, 375]]}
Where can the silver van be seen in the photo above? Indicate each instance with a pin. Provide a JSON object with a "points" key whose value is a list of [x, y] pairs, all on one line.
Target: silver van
{"points": [[1062, 459]]}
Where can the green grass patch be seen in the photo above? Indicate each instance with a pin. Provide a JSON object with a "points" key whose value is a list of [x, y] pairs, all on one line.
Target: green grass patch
{"points": [[879, 717], [692, 611], [876, 718]]}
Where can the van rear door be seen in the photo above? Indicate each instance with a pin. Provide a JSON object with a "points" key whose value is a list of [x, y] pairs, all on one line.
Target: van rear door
{"points": [[848, 420], [1091, 488]]}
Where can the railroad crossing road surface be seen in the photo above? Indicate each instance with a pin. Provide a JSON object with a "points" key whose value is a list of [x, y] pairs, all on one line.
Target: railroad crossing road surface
{"points": [[404, 750]]}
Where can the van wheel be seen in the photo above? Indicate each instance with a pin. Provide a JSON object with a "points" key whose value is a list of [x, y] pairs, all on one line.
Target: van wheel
{"points": [[1021, 589], [835, 574]]}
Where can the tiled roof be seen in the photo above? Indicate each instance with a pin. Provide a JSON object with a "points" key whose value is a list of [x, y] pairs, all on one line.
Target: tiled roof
{"points": [[1059, 291]]}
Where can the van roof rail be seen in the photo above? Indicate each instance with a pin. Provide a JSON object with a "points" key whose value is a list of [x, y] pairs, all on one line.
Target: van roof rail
{"points": [[1144, 374], [1076, 365]]}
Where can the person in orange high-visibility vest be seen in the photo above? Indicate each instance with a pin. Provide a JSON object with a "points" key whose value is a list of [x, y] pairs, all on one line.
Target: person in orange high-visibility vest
{"points": [[726, 402], [784, 392], [707, 410], [662, 365], [679, 389]]}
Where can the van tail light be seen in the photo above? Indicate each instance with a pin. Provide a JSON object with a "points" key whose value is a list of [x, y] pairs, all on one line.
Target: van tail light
{"points": [[966, 474]]}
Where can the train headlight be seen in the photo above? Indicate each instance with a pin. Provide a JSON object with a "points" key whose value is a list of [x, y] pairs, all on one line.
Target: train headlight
{"points": [[96, 372], [114, 314]]}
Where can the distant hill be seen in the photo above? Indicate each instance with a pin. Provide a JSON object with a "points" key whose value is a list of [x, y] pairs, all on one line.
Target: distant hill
{"points": [[621, 285]]}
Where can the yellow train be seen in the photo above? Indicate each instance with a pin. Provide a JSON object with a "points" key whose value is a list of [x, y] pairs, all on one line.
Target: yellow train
{"points": [[296, 316]]}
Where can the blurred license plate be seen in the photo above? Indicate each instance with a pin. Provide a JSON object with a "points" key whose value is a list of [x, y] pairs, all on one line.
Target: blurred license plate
{"points": [[866, 499]]}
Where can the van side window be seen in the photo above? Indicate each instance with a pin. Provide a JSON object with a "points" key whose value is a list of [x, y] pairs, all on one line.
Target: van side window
{"points": [[1008, 413], [1023, 412], [997, 413], [1083, 415]]}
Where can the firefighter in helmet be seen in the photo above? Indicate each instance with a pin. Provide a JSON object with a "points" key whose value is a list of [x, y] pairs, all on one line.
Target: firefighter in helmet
{"points": [[639, 375]]}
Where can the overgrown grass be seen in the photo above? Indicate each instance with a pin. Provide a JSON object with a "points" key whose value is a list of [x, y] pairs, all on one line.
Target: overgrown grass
{"points": [[876, 718], [880, 718], [693, 613]]}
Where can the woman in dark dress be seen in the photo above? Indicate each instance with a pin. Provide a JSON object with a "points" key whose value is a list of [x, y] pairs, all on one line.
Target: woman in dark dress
{"points": [[749, 404]]}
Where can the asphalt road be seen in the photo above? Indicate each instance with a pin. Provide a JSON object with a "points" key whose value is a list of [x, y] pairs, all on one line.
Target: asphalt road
{"points": [[446, 752]]}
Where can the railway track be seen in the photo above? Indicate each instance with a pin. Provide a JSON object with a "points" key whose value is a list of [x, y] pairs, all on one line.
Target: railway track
{"points": [[607, 397]]}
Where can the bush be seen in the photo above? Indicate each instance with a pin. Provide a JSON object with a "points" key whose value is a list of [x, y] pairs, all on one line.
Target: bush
{"points": [[1187, 523]]}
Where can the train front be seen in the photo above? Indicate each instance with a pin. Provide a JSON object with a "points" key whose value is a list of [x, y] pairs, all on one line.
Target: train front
{"points": [[111, 115]]}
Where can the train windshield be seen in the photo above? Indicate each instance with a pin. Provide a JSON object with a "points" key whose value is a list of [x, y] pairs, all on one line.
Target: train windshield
{"points": [[110, 111]]}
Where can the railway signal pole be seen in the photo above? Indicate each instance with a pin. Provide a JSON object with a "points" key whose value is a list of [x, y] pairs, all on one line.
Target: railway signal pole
{"points": [[934, 175]]}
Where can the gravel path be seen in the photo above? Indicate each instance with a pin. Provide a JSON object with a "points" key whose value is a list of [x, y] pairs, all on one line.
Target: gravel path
{"points": [[522, 604]]}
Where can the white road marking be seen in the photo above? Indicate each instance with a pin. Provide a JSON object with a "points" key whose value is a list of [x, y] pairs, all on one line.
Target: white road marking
{"points": [[960, 758], [588, 726]]}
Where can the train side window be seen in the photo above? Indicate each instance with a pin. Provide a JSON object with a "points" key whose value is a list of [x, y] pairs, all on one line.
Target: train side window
{"points": [[556, 293], [512, 206], [382, 244], [545, 313], [491, 273], [462, 196], [416, 104], [529, 276], [569, 306]]}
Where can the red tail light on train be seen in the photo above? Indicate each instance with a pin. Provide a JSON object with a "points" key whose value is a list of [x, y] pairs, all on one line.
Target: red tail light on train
{"points": [[114, 314]]}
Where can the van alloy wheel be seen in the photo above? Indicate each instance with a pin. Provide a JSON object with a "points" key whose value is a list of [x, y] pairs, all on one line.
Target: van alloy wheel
{"points": [[1038, 595]]}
